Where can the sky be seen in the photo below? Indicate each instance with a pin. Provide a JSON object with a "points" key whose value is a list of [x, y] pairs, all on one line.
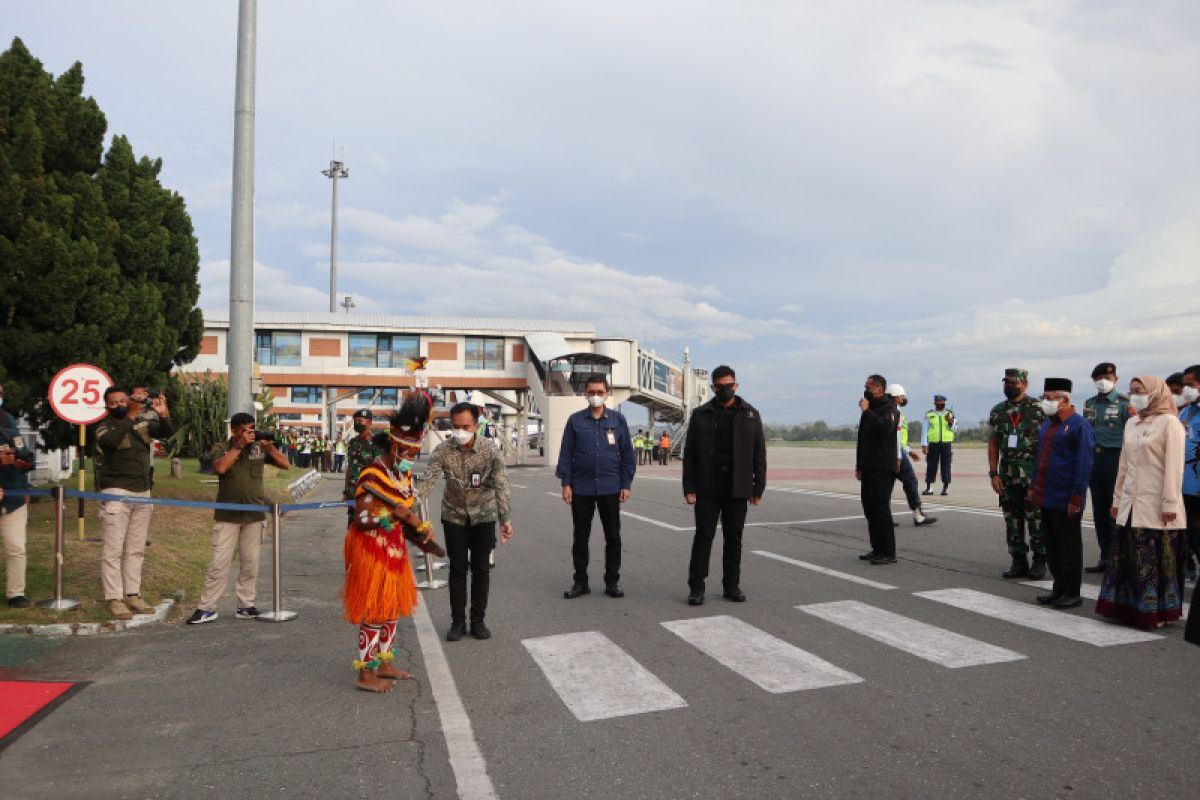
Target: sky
{"points": [[810, 192]]}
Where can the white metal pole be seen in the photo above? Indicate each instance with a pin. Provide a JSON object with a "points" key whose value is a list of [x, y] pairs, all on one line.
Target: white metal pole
{"points": [[240, 344]]}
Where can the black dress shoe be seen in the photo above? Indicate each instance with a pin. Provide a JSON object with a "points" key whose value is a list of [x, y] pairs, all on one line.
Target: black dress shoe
{"points": [[1096, 570], [456, 632], [1048, 599], [613, 590], [895, 524], [883, 559], [696, 597], [945, 492], [480, 631], [577, 590], [734, 595], [19, 601], [1068, 601], [867, 556]]}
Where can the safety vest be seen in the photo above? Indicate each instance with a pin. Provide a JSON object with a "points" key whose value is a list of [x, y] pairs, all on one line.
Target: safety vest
{"points": [[903, 431], [938, 431], [665, 442]]}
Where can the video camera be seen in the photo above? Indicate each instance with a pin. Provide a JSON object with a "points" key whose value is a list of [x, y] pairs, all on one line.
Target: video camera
{"points": [[151, 396]]}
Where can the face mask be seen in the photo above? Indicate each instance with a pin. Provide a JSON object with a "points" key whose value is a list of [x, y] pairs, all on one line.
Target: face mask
{"points": [[1104, 386], [1012, 392], [1049, 407], [940, 406], [724, 392], [359, 427], [904, 402], [405, 465], [461, 436], [1179, 401], [1190, 394], [867, 394], [119, 412], [1139, 401], [595, 401]]}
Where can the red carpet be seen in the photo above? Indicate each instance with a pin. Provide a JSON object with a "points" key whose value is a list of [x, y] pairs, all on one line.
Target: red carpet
{"points": [[22, 703]]}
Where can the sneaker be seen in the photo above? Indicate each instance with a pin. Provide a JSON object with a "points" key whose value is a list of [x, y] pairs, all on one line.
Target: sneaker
{"points": [[492, 559], [18, 601], [119, 610], [200, 616], [137, 605], [249, 612]]}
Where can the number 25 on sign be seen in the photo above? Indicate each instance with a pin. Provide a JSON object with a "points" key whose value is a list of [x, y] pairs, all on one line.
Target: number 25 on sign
{"points": [[77, 397]]}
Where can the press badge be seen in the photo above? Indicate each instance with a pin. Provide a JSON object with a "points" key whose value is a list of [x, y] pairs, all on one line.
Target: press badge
{"points": [[612, 437], [1012, 441], [476, 480]]}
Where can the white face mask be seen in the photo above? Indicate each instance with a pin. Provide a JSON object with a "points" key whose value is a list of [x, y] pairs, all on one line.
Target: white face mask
{"points": [[1139, 401], [461, 436], [1049, 407], [1180, 402], [595, 401], [1190, 394], [1104, 386]]}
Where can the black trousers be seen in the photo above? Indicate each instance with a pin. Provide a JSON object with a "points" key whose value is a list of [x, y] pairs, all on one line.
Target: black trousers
{"points": [[731, 513], [1103, 481], [875, 489], [583, 508], [469, 544], [1191, 506], [940, 454], [908, 479], [1064, 549]]}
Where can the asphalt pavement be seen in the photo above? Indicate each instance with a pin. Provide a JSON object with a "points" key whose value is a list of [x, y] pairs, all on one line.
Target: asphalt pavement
{"points": [[932, 677]]}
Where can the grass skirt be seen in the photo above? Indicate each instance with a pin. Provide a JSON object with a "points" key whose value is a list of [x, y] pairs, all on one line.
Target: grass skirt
{"points": [[379, 584]]}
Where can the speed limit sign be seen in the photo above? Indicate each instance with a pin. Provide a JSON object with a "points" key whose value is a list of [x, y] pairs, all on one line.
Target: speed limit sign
{"points": [[77, 393]]}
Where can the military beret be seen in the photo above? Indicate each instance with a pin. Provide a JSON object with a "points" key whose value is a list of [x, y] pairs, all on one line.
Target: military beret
{"points": [[365, 413], [1017, 374]]}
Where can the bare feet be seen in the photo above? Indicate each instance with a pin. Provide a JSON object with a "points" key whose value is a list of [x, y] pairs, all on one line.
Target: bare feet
{"points": [[390, 672], [368, 681]]}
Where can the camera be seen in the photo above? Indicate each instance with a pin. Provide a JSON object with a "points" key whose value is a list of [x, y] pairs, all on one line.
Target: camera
{"points": [[264, 436], [151, 396]]}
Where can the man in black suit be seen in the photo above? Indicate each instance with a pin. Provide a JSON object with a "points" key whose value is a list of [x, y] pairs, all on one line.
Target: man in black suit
{"points": [[876, 465], [724, 467]]}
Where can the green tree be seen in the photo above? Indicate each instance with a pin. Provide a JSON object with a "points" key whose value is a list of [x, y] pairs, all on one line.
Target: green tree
{"points": [[98, 261]]}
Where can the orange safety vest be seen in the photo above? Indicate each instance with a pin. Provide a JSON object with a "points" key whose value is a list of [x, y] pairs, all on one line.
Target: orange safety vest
{"points": [[664, 442]]}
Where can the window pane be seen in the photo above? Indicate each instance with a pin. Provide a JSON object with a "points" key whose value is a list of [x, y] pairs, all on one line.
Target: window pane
{"points": [[473, 353], [262, 349], [287, 349], [365, 395], [383, 358], [362, 350], [404, 348], [389, 396], [306, 394]]}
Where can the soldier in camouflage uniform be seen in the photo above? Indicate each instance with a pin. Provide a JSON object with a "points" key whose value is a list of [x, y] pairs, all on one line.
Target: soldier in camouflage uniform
{"points": [[360, 453], [1014, 434]]}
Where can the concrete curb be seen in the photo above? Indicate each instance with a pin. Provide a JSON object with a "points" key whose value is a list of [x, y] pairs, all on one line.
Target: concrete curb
{"points": [[92, 628]]}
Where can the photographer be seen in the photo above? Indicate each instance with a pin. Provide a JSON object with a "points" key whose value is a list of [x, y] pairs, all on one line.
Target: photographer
{"points": [[16, 461], [124, 447], [239, 466]]}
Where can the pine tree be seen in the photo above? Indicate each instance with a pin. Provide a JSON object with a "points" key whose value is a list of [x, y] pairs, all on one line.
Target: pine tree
{"points": [[98, 261]]}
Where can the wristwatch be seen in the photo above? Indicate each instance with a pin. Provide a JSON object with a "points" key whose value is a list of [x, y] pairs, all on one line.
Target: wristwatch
{"points": [[993, 473]]}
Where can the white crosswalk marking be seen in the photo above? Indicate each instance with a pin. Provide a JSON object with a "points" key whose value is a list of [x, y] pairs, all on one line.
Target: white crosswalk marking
{"points": [[756, 655], [1089, 590], [846, 576], [1059, 623], [924, 641], [596, 679]]}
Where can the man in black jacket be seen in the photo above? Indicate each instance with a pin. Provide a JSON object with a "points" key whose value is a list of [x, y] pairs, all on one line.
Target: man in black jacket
{"points": [[724, 466], [876, 465]]}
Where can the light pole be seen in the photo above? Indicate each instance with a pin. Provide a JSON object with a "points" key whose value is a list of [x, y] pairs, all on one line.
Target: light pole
{"points": [[336, 170], [348, 303], [240, 344]]}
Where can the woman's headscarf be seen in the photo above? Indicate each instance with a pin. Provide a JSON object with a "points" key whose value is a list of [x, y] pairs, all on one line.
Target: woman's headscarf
{"points": [[1161, 399]]}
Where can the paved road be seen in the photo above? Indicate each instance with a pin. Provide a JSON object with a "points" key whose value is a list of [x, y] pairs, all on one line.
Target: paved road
{"points": [[932, 677]]}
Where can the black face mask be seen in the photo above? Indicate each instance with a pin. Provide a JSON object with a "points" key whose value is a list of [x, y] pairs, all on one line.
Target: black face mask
{"points": [[903, 402], [359, 427], [867, 394], [119, 412], [724, 392], [1012, 392]]}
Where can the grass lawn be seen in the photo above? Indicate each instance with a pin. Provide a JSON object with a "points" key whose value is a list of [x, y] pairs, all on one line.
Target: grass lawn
{"points": [[181, 542]]}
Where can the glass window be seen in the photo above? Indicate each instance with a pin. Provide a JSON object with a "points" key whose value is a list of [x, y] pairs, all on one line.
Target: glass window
{"points": [[290, 417], [264, 351], [404, 348], [362, 349], [306, 394], [483, 353], [388, 396], [277, 349]]}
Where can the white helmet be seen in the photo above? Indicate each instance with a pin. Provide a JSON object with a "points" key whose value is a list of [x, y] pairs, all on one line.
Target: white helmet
{"points": [[896, 390]]}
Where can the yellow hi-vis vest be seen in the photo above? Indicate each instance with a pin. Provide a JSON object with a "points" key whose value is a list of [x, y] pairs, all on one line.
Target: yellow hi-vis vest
{"points": [[903, 431], [938, 431]]}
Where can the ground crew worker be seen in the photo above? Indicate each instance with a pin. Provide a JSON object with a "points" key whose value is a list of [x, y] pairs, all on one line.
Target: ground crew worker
{"points": [[908, 478], [1107, 413], [937, 436], [647, 448], [1012, 438], [664, 448]]}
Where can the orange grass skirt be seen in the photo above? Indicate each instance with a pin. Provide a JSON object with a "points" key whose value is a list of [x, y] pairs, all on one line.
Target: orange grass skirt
{"points": [[379, 579]]}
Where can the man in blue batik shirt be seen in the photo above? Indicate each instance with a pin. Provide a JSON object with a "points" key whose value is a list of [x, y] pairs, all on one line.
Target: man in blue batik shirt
{"points": [[1062, 466], [596, 464]]}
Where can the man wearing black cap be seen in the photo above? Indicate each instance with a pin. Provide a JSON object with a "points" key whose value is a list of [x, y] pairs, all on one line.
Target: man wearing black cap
{"points": [[1107, 414], [1062, 464], [361, 451], [937, 439], [876, 464]]}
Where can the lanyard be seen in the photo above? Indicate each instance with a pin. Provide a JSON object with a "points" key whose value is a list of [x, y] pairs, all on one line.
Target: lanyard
{"points": [[1015, 420]]}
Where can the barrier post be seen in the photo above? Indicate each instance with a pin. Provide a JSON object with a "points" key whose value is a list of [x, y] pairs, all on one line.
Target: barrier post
{"points": [[430, 582], [58, 602], [276, 614], [82, 474]]}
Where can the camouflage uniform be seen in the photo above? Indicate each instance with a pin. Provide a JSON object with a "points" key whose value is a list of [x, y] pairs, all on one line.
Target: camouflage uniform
{"points": [[361, 453], [1023, 418]]}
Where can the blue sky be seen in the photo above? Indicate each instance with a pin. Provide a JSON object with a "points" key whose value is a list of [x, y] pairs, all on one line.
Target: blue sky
{"points": [[808, 191]]}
